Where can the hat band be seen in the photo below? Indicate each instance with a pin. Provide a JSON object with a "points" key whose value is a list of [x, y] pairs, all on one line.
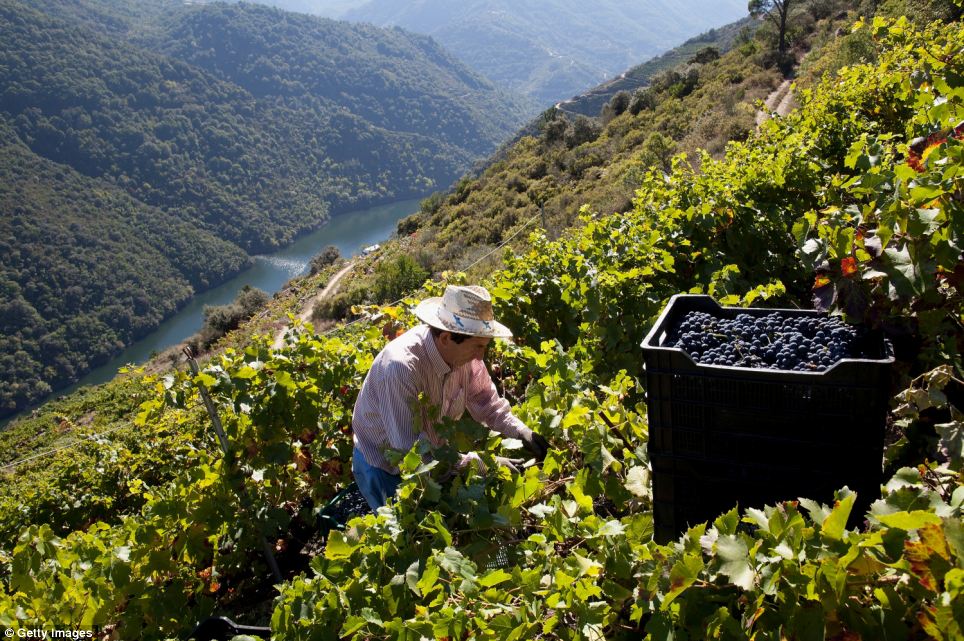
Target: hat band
{"points": [[463, 324]]}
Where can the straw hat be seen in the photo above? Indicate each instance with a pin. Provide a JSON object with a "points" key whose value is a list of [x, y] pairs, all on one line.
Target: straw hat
{"points": [[463, 310]]}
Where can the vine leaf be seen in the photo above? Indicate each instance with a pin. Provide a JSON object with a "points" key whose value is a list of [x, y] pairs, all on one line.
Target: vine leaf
{"points": [[909, 520], [833, 526], [682, 575], [637, 481], [733, 551], [951, 443]]}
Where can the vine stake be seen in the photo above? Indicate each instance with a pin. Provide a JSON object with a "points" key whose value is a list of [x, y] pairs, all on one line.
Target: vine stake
{"points": [[243, 497]]}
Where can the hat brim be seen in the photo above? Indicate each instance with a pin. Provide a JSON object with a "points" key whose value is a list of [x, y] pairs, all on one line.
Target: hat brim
{"points": [[430, 312]]}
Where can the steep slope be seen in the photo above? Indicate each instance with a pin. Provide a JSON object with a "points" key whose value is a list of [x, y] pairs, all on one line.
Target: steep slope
{"points": [[570, 160], [711, 43], [552, 50]]}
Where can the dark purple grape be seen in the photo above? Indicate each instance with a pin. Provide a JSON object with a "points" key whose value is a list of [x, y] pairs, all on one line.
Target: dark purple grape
{"points": [[775, 340]]}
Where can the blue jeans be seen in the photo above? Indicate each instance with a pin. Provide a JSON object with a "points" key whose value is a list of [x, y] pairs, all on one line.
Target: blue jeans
{"points": [[376, 485]]}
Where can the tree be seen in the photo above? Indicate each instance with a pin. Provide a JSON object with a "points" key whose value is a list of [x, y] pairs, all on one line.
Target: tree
{"points": [[777, 12], [327, 257], [398, 277], [705, 55]]}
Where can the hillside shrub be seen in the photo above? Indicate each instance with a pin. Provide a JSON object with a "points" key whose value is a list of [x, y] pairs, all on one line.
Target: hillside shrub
{"points": [[642, 99], [581, 131], [221, 319], [328, 256]]}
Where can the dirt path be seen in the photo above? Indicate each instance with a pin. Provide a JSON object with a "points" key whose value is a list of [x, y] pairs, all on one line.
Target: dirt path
{"points": [[780, 101], [309, 305], [787, 103]]}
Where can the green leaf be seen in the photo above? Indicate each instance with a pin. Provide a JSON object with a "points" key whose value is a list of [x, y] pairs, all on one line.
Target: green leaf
{"points": [[734, 554], [926, 193], [757, 517], [611, 528], [411, 578], [284, 379], [541, 510], [338, 547], [727, 522], [494, 578], [429, 577], [577, 415], [205, 380], [818, 512], [511, 444], [371, 617], [954, 533], [903, 273], [923, 222], [682, 575], [951, 443], [855, 158], [352, 624], [245, 372], [576, 488]]}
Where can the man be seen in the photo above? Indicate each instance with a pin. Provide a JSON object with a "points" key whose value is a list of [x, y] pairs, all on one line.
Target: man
{"points": [[443, 360]]}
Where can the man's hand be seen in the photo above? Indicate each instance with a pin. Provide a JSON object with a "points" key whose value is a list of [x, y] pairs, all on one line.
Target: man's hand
{"points": [[511, 464], [472, 458], [536, 444]]}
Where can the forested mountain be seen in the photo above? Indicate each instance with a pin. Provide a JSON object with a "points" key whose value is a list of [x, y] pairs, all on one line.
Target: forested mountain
{"points": [[552, 50], [115, 17], [392, 79], [84, 269], [243, 123]]}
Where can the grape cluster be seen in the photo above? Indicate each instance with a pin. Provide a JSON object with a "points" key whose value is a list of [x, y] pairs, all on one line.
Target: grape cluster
{"points": [[774, 341], [350, 505]]}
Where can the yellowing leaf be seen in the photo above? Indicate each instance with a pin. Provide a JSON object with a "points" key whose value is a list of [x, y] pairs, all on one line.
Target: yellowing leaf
{"points": [[833, 526], [913, 520], [205, 379], [246, 372]]}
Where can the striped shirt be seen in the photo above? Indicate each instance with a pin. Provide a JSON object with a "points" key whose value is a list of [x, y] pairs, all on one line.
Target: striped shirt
{"points": [[410, 365]]}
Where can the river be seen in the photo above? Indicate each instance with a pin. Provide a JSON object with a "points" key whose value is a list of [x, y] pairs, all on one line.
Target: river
{"points": [[350, 233]]}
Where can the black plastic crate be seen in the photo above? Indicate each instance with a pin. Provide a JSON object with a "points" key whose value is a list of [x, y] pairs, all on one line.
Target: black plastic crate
{"points": [[723, 435]]}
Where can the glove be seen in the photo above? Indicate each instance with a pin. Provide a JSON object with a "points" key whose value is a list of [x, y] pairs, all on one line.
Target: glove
{"points": [[510, 464], [536, 444]]}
